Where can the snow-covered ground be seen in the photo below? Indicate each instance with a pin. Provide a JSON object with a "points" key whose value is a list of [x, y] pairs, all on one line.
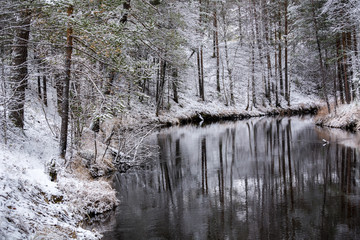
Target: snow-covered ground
{"points": [[346, 116], [31, 205]]}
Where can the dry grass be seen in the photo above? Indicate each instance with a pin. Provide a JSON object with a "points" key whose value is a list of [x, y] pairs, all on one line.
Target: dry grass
{"points": [[323, 111], [346, 116]]}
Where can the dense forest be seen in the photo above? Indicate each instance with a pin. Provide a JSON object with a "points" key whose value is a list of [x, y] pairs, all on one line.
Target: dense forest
{"points": [[102, 57]]}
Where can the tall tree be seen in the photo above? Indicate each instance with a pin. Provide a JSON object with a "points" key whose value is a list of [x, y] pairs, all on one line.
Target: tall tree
{"points": [[217, 52], [19, 80], [321, 64], [286, 73], [66, 85]]}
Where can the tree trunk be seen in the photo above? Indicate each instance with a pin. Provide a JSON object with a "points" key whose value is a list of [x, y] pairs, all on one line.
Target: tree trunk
{"points": [[59, 91], [344, 66], [253, 73], [268, 59], [66, 85], [240, 26], [157, 61], [44, 90], [39, 85], [228, 68], [199, 70], [335, 89], [259, 44], [351, 63], [277, 103], [322, 72], [217, 53], [280, 58], [201, 56], [160, 101], [339, 70], [19, 78], [4, 94], [356, 60], [287, 95], [175, 84], [202, 90]]}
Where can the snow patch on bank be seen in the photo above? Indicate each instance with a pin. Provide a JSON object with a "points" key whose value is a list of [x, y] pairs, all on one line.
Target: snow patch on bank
{"points": [[31, 205], [347, 116]]}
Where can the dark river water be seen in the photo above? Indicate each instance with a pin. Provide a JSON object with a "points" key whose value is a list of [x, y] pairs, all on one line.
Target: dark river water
{"points": [[263, 178]]}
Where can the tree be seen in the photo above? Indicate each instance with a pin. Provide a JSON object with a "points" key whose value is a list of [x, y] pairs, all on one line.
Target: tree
{"points": [[286, 72], [217, 52], [66, 84], [19, 77]]}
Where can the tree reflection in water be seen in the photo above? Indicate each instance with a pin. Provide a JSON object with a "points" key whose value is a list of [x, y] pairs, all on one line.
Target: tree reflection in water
{"points": [[257, 179]]}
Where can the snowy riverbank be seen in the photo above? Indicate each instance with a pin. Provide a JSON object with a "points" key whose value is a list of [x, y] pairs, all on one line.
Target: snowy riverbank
{"points": [[31, 205], [347, 116], [213, 109]]}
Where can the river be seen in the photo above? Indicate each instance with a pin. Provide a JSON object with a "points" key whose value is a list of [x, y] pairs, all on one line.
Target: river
{"points": [[262, 178]]}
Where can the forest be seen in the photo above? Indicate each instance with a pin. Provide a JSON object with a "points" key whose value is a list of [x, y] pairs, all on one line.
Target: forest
{"points": [[95, 77], [102, 57]]}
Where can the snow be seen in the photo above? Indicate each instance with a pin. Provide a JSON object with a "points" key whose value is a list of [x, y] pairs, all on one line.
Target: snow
{"points": [[346, 116], [31, 205]]}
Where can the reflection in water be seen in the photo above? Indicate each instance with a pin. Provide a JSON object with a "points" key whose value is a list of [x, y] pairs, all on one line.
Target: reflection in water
{"points": [[255, 179]]}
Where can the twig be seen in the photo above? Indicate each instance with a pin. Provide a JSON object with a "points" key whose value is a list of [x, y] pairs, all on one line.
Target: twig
{"points": [[47, 121], [139, 143], [108, 140]]}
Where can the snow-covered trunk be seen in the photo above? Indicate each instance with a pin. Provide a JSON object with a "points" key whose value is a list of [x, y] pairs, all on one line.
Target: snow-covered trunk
{"points": [[44, 82], [19, 77], [66, 89], [229, 70], [217, 51], [280, 57], [277, 102], [4, 95], [339, 70], [253, 84], [267, 34], [322, 72], [227, 59], [356, 66], [345, 70], [202, 90], [287, 91], [161, 85], [258, 36], [175, 84]]}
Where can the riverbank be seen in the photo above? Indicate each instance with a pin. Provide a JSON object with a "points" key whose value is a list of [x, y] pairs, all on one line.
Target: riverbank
{"points": [[195, 113], [31, 205], [346, 116]]}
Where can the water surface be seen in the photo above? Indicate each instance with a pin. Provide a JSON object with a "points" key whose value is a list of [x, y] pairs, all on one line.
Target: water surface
{"points": [[256, 179]]}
